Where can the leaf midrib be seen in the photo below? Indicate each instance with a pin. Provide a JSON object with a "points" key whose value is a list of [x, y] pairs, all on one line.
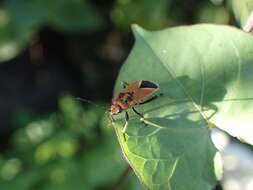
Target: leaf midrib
{"points": [[170, 72]]}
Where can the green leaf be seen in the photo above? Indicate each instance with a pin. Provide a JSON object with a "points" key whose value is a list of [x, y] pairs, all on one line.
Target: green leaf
{"points": [[64, 15], [23, 181], [217, 2], [19, 19], [12, 40], [209, 13], [71, 16], [27, 13], [241, 10], [203, 71], [148, 13]]}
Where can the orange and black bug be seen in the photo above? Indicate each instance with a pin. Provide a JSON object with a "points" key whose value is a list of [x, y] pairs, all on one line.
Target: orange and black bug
{"points": [[138, 92]]}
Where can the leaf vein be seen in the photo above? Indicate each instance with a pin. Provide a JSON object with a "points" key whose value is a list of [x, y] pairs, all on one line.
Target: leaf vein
{"points": [[171, 73]]}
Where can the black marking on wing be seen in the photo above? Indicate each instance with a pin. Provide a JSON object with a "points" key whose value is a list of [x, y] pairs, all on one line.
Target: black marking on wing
{"points": [[148, 84]]}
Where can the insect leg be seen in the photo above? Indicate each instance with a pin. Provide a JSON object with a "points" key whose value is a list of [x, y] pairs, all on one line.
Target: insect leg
{"points": [[135, 111], [215, 109], [111, 118], [138, 113], [126, 122], [124, 84]]}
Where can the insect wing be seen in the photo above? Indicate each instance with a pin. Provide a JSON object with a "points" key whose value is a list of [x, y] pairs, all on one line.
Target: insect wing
{"points": [[143, 93], [141, 90]]}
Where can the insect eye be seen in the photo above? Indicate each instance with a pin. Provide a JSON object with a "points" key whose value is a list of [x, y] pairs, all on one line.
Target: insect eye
{"points": [[114, 110], [121, 95]]}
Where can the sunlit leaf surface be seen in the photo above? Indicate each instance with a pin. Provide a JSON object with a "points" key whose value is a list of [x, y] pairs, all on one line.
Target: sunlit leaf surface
{"points": [[204, 71]]}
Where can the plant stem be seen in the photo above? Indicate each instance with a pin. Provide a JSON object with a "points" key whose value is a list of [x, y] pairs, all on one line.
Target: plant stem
{"points": [[121, 178]]}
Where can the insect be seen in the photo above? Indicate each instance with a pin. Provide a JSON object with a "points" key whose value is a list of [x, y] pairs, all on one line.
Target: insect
{"points": [[138, 92]]}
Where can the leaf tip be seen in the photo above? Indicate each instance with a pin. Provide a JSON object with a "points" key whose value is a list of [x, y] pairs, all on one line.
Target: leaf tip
{"points": [[137, 30]]}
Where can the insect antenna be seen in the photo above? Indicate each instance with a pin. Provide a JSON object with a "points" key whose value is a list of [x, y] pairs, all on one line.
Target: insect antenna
{"points": [[90, 102], [107, 111]]}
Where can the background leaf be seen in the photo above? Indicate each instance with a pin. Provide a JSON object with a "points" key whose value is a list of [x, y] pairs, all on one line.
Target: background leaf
{"points": [[21, 19], [12, 40], [62, 17], [209, 13], [147, 13], [241, 10], [75, 15]]}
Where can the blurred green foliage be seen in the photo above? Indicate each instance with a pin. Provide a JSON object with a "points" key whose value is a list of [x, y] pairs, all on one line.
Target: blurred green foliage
{"points": [[71, 149], [209, 13], [12, 41], [147, 13], [20, 20], [241, 9], [65, 15]]}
